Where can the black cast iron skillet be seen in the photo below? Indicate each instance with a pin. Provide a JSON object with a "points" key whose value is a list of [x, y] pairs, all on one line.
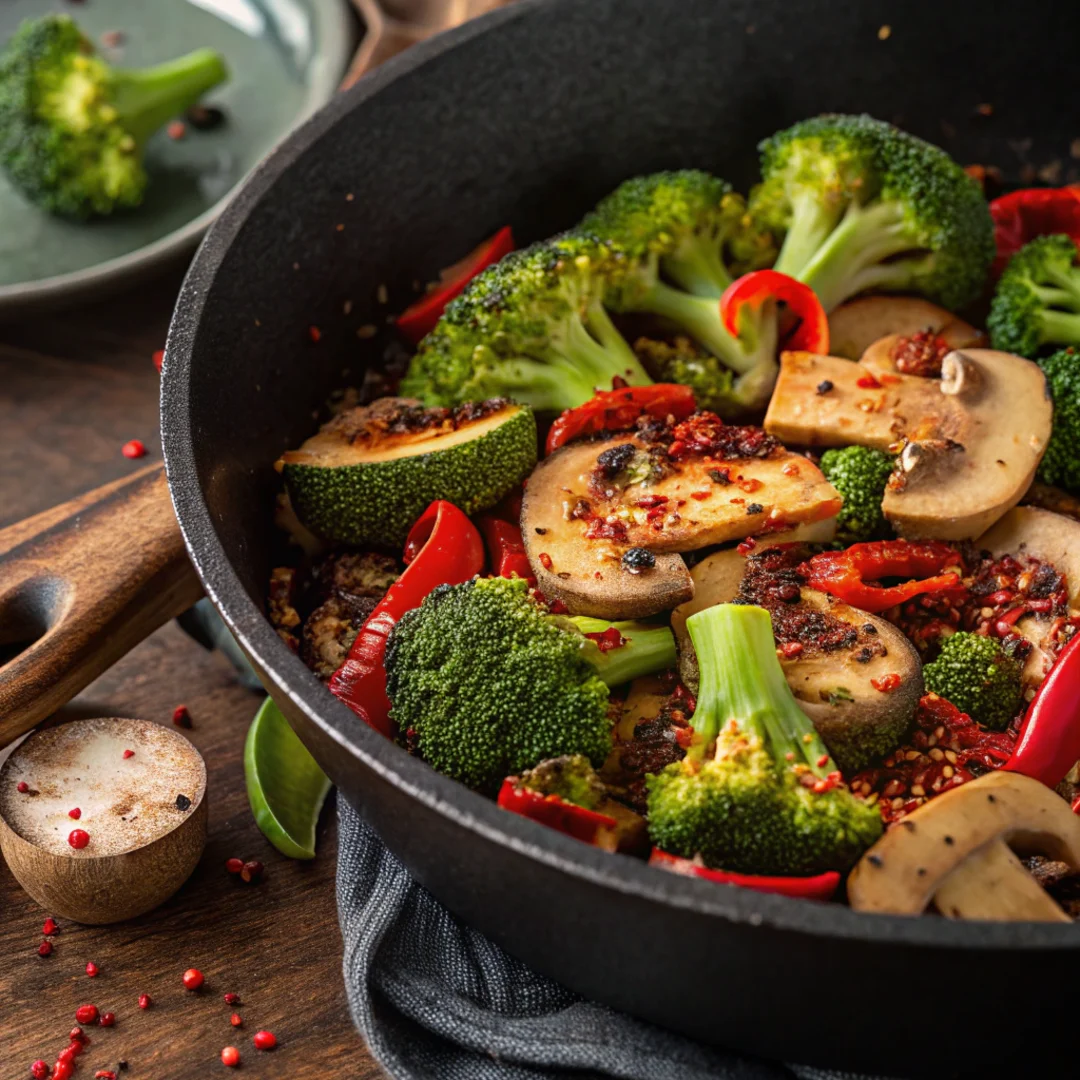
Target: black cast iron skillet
{"points": [[527, 117]]}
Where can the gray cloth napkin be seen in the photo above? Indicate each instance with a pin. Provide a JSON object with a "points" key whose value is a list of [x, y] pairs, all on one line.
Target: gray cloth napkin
{"points": [[436, 1000]]}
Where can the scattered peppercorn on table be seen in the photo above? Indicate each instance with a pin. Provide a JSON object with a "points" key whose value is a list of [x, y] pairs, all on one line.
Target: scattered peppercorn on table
{"points": [[75, 390]]}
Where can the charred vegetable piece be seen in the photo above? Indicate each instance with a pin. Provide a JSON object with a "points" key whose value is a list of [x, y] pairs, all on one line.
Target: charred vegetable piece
{"points": [[371, 471]]}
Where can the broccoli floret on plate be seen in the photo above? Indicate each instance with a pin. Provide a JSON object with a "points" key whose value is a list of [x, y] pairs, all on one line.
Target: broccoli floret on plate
{"points": [[862, 206], [860, 475], [757, 791], [1060, 465], [485, 683], [975, 674], [1037, 302], [73, 129]]}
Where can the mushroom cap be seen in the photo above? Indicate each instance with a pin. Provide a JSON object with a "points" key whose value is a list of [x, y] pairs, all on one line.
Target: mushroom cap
{"points": [[856, 326]]}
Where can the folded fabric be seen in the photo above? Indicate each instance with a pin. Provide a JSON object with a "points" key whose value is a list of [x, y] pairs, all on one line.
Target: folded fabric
{"points": [[435, 1000]]}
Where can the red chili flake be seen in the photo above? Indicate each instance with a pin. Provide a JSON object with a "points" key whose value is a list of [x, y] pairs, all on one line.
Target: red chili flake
{"points": [[251, 871], [264, 1040], [22, 787], [606, 530], [790, 469], [230, 1056], [823, 761], [649, 501], [176, 130], [128, 754], [747, 546], [133, 448], [701, 496], [235, 1020], [86, 1014], [920, 353], [232, 999], [45, 948], [545, 560], [91, 969], [608, 639], [75, 814], [50, 926], [557, 607], [78, 838], [159, 358], [886, 684], [181, 717], [867, 382], [193, 979], [750, 486], [39, 1070], [107, 1019], [315, 334], [144, 1001], [234, 866], [791, 649]]}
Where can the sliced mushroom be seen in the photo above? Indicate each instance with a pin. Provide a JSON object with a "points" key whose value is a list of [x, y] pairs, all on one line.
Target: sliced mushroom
{"points": [[880, 356], [971, 440], [613, 552], [1048, 497], [858, 720], [957, 852], [855, 326], [1039, 534]]}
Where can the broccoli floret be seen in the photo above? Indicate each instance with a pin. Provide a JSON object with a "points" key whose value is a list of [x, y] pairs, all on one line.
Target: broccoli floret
{"points": [[533, 328], [486, 683], [1061, 462], [1037, 302], [571, 777], [687, 236], [975, 674], [757, 791], [863, 206], [73, 129], [682, 360], [860, 475]]}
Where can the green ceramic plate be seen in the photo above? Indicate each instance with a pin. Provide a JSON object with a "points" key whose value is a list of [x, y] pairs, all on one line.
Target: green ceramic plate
{"points": [[286, 58]]}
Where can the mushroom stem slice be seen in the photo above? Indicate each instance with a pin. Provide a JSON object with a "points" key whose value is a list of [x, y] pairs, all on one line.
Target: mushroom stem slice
{"points": [[992, 883], [905, 870]]}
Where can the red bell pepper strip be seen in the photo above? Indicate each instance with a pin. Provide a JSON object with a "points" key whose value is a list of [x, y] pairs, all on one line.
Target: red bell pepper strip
{"points": [[751, 291], [553, 811], [1049, 743], [1022, 215], [505, 547], [849, 574], [419, 318], [818, 887], [619, 410], [443, 548]]}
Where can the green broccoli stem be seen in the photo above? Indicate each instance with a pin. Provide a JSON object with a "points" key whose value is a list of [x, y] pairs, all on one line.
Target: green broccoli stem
{"points": [[850, 260], [648, 650], [147, 98], [698, 267], [554, 385], [1059, 327], [601, 349], [700, 317], [812, 221], [742, 682]]}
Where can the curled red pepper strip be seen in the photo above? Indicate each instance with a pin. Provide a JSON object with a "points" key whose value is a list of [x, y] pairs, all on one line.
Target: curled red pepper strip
{"points": [[419, 318], [443, 548], [619, 410], [553, 811], [505, 547], [1022, 215], [819, 887], [849, 575], [752, 290], [1049, 743]]}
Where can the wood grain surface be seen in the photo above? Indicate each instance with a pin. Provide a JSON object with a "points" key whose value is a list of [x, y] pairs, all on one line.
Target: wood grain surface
{"points": [[73, 388]]}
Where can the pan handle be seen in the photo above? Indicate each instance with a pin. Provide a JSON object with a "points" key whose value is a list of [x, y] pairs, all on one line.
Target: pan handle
{"points": [[81, 585]]}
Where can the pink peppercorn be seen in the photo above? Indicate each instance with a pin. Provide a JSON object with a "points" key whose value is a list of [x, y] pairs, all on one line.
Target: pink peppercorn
{"points": [[22, 787], [232, 999], [181, 717], [235, 1020], [128, 754], [91, 969], [234, 865], [193, 978], [264, 1040], [45, 948], [39, 1070], [78, 838], [144, 1001], [86, 1014], [50, 926], [75, 814], [62, 1070], [133, 448], [230, 1056], [107, 1019]]}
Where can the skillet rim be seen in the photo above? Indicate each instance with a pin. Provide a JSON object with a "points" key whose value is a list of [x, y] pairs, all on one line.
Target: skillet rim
{"points": [[461, 806]]}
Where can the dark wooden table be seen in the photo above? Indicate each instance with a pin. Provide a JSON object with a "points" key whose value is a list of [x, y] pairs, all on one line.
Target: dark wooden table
{"points": [[73, 388]]}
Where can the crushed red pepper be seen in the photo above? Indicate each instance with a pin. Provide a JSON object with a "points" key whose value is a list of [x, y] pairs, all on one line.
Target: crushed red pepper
{"points": [[920, 353]]}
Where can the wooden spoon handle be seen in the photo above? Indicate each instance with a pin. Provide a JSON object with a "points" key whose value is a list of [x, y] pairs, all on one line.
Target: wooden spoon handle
{"points": [[80, 585]]}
